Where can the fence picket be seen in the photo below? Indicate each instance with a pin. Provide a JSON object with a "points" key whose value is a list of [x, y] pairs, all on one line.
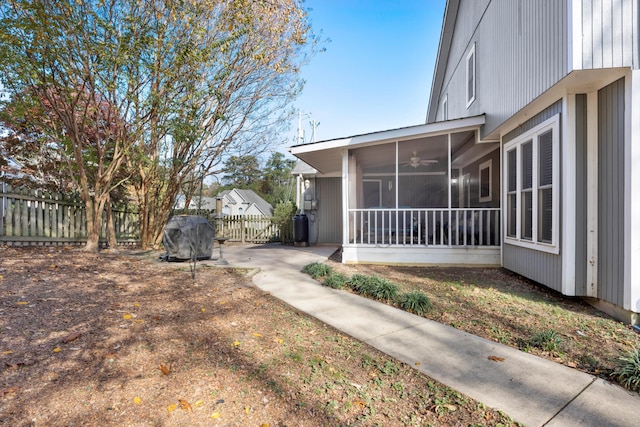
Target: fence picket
{"points": [[40, 217]]}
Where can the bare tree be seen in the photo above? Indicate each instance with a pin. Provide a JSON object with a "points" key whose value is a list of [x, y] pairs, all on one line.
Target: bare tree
{"points": [[219, 77]]}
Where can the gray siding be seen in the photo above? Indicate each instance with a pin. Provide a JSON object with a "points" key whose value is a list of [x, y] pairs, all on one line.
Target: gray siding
{"points": [[542, 267], [611, 193], [609, 33], [521, 51], [328, 221], [545, 268], [581, 195]]}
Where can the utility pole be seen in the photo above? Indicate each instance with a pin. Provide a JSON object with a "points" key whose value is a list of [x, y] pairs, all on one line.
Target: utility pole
{"points": [[314, 125]]}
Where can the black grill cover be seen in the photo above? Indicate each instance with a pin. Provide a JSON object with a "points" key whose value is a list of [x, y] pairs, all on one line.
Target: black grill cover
{"points": [[186, 237]]}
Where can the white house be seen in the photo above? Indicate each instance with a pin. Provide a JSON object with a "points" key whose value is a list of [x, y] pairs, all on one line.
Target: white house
{"points": [[244, 202], [529, 157]]}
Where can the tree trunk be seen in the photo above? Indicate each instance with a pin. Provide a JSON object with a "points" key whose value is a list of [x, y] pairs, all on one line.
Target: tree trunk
{"points": [[93, 226], [113, 241]]}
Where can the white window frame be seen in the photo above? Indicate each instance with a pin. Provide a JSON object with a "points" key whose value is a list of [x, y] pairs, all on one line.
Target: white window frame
{"points": [[483, 166], [471, 58], [532, 135]]}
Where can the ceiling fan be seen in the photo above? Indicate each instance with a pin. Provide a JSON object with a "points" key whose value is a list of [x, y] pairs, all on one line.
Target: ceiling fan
{"points": [[415, 161]]}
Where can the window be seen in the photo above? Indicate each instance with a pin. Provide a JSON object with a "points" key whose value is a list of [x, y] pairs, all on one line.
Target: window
{"points": [[471, 76], [484, 181], [531, 173]]}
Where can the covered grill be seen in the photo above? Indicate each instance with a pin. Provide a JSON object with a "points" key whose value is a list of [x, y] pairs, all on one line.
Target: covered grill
{"points": [[188, 237]]}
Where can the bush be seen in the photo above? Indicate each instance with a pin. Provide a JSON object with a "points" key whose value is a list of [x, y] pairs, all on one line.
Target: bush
{"points": [[317, 270], [628, 372], [548, 340], [415, 302], [382, 289], [336, 280], [360, 283]]}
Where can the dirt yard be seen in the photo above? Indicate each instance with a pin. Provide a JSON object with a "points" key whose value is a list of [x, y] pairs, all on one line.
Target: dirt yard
{"points": [[112, 340]]}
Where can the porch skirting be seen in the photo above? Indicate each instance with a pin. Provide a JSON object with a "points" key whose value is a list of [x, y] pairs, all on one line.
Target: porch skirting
{"points": [[472, 256]]}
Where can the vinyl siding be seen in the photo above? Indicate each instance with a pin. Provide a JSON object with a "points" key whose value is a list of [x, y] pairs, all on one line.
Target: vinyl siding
{"points": [[521, 51], [609, 33], [328, 221], [611, 233], [581, 195], [542, 267]]}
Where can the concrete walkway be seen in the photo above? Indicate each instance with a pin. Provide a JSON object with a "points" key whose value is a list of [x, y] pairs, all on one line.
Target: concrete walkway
{"points": [[532, 390]]}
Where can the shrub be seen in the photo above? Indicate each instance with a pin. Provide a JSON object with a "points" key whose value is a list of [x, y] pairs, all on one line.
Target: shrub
{"points": [[628, 372], [548, 340], [382, 289], [415, 302], [317, 270], [360, 283], [336, 280]]}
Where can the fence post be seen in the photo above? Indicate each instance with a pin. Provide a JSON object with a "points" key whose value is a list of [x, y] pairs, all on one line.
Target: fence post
{"points": [[242, 227]]}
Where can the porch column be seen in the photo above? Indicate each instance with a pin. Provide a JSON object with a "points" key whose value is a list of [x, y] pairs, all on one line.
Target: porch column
{"points": [[345, 197]]}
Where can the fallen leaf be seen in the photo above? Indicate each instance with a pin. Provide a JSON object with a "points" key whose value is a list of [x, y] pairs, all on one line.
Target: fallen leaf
{"points": [[278, 340], [137, 400], [264, 425], [71, 337], [22, 302], [136, 304], [8, 390], [360, 403], [257, 335], [215, 415], [204, 310], [166, 369], [126, 316], [7, 352], [236, 343], [418, 363], [184, 405], [246, 409], [496, 358], [198, 403], [172, 407], [57, 350], [450, 407]]}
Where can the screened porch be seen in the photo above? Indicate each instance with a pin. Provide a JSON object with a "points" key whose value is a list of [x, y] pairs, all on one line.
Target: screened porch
{"points": [[439, 191]]}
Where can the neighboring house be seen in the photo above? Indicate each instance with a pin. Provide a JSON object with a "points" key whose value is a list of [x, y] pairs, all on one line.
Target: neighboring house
{"points": [[244, 202], [234, 202], [529, 158], [207, 203]]}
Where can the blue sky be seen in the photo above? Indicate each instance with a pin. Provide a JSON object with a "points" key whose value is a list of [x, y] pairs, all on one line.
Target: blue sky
{"points": [[377, 69]]}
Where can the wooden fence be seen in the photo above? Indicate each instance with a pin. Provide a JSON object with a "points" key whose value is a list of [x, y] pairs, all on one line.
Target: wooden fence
{"points": [[33, 217], [245, 228]]}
